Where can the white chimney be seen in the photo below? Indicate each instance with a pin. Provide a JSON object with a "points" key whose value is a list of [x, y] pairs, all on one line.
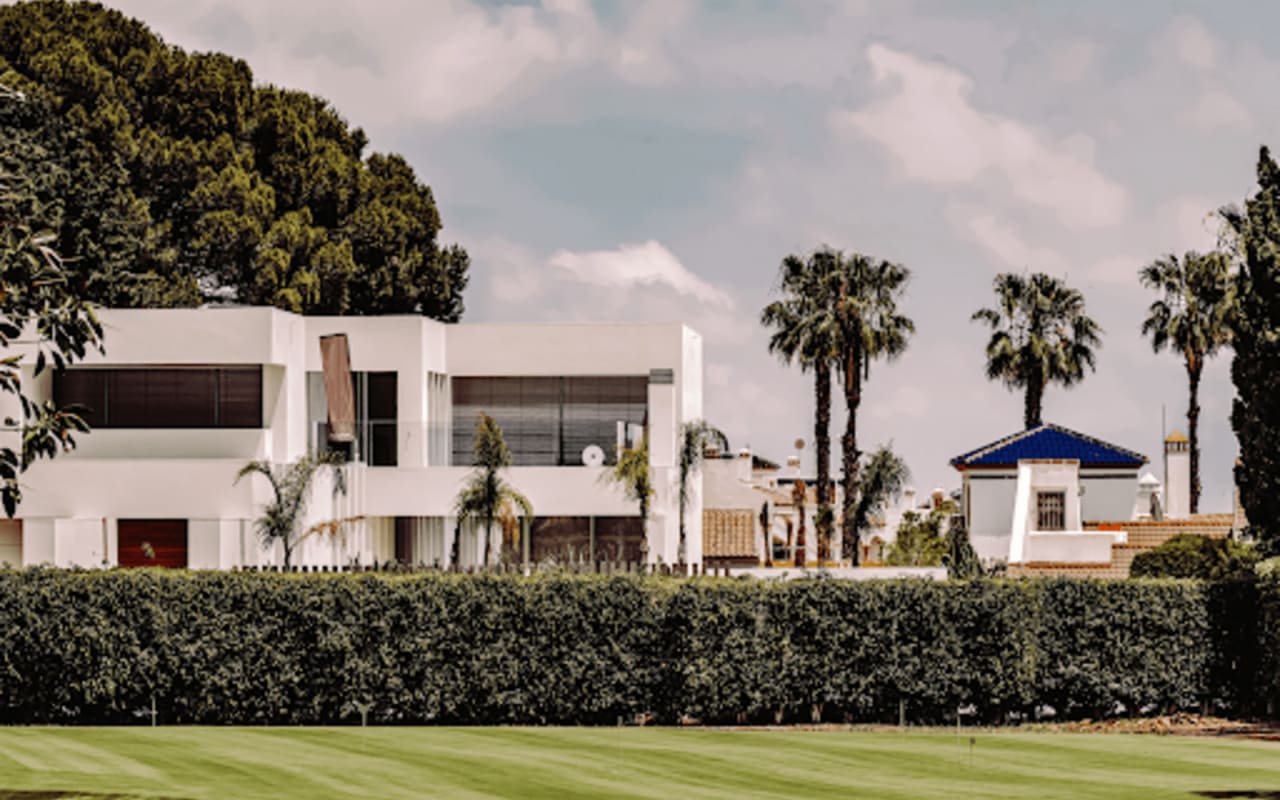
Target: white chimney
{"points": [[1148, 490], [744, 465], [793, 467], [909, 498], [1177, 476]]}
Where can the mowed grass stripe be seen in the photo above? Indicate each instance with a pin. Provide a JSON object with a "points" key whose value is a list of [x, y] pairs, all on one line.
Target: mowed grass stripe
{"points": [[570, 763]]}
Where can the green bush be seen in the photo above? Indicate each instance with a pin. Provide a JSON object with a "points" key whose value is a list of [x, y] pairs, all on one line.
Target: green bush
{"points": [[1188, 555], [222, 648]]}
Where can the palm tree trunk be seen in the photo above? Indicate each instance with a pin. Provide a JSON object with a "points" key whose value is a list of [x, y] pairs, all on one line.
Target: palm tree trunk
{"points": [[1194, 368], [488, 540], [1034, 400], [822, 443], [849, 454], [680, 556], [800, 553]]}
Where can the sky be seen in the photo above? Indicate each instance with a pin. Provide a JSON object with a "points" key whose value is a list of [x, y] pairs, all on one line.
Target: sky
{"points": [[657, 160]]}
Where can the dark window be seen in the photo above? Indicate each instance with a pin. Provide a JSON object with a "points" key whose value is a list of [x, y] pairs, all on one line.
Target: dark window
{"points": [[548, 421], [151, 543], [376, 415], [164, 397], [1051, 511]]}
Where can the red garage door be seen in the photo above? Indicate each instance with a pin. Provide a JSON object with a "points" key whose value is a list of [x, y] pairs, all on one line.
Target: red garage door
{"points": [[152, 542]]}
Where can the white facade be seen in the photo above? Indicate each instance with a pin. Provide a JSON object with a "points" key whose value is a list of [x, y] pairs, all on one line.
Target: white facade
{"points": [[72, 505], [1024, 505], [1177, 476]]}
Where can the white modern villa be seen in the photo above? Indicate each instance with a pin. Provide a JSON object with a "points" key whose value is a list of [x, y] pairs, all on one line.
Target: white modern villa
{"points": [[184, 398]]}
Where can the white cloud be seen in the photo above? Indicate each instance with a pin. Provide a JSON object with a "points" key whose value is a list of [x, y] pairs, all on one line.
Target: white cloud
{"points": [[638, 265], [1192, 44], [403, 59], [1073, 60], [929, 124], [1215, 110], [1197, 224], [1006, 244]]}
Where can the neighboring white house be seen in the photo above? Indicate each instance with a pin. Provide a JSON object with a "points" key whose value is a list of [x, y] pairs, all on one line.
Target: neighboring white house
{"points": [[184, 398], [1026, 497]]}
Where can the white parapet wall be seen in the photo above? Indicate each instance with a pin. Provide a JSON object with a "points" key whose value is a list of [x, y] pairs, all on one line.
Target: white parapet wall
{"points": [[842, 573]]}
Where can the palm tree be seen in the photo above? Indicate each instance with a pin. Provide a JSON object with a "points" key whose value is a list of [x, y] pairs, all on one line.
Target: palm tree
{"points": [[487, 498], [633, 475], [865, 293], [291, 490], [695, 436], [1191, 318], [804, 331], [880, 480], [1040, 334], [764, 532], [799, 498]]}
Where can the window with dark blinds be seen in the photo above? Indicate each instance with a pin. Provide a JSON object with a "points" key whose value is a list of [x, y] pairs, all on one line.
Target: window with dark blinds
{"points": [[548, 421], [163, 397]]}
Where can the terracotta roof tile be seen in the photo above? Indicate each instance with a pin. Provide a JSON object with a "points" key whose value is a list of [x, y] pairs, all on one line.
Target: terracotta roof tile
{"points": [[729, 533]]}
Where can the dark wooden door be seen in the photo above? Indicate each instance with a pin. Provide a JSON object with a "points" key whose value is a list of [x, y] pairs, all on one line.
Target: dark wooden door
{"points": [[152, 542]]}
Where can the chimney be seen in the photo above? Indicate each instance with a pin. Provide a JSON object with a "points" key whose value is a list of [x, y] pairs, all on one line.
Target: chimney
{"points": [[793, 467], [1177, 476], [937, 497], [744, 465], [909, 499], [1144, 503]]}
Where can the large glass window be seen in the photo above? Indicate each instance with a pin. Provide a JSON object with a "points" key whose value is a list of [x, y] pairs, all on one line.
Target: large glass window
{"points": [[376, 407], [549, 421], [163, 397]]}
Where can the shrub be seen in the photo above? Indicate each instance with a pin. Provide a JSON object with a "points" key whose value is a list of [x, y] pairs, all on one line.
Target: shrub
{"points": [[224, 648], [1188, 555]]}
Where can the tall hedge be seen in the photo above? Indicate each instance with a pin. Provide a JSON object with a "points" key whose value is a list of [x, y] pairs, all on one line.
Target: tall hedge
{"points": [[221, 648]]}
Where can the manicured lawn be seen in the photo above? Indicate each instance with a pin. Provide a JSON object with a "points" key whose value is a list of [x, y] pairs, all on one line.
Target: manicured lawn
{"points": [[563, 763]]}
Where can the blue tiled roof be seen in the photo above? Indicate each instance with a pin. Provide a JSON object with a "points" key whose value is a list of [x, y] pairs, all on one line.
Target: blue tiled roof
{"points": [[1049, 442]]}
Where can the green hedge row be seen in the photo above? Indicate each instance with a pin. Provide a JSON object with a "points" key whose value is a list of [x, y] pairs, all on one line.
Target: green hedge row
{"points": [[219, 648]]}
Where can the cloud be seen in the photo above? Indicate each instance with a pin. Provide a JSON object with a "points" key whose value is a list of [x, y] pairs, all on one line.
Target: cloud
{"points": [[929, 124], [1188, 39], [1006, 244], [1073, 60], [1197, 224], [636, 265], [1217, 110], [403, 59]]}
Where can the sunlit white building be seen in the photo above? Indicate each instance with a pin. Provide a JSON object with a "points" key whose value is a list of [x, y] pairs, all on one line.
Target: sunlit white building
{"points": [[184, 398]]}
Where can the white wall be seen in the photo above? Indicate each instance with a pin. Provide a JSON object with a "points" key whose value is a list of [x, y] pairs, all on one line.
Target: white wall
{"points": [[1108, 499], [553, 491], [139, 488], [1081, 547], [1177, 482], [990, 512]]}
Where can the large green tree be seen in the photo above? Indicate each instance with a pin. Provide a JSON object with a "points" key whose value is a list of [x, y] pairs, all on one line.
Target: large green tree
{"points": [[175, 180], [864, 293], [1040, 334], [1191, 318], [486, 497], [39, 302], [1255, 413]]}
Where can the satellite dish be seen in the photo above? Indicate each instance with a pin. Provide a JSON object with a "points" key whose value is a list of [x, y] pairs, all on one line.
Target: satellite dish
{"points": [[799, 445], [592, 456]]}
